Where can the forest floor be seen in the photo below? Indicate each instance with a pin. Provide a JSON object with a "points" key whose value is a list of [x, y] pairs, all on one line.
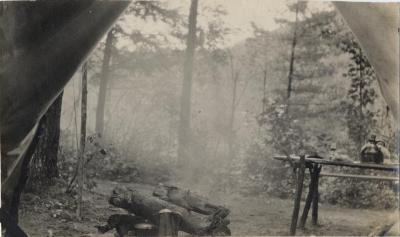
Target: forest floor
{"points": [[52, 214]]}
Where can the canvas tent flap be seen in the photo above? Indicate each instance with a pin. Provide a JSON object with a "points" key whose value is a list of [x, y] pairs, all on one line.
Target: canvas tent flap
{"points": [[48, 41], [43, 43], [376, 27]]}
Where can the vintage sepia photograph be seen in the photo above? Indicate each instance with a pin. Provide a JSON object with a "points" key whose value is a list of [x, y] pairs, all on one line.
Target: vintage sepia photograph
{"points": [[199, 118]]}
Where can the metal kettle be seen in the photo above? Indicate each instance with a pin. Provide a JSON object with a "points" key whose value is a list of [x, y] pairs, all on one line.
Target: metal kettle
{"points": [[371, 152]]}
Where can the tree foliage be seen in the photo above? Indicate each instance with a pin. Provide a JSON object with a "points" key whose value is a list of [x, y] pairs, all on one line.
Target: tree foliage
{"points": [[308, 66], [359, 115], [247, 80]]}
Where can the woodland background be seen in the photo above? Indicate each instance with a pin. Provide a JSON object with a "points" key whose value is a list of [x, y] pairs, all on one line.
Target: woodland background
{"points": [[199, 111]]}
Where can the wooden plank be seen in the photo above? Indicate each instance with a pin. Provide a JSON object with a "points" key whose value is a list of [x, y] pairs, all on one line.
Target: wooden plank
{"points": [[316, 196], [386, 167], [297, 199], [309, 198], [366, 177]]}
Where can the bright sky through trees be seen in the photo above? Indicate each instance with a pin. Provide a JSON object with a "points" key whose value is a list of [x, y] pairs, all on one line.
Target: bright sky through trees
{"points": [[240, 15]]}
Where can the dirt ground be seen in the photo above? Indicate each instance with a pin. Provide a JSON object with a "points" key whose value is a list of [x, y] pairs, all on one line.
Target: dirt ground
{"points": [[250, 215]]}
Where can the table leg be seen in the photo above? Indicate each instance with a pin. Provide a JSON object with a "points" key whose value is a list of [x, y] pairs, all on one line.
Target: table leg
{"points": [[297, 198], [310, 196], [316, 197]]}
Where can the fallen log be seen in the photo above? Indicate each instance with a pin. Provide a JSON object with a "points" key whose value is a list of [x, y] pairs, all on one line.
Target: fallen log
{"points": [[148, 206], [188, 200]]}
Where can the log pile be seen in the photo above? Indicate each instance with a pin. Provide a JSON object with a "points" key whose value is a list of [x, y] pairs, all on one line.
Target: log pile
{"points": [[192, 213]]}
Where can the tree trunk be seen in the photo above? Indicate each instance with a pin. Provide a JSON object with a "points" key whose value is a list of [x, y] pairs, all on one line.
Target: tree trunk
{"points": [[216, 103], [292, 55], [360, 108], [184, 126], [81, 158], [231, 132], [104, 77], [44, 161], [264, 101]]}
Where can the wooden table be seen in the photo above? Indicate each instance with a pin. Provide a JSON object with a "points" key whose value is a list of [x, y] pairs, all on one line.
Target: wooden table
{"points": [[314, 166]]}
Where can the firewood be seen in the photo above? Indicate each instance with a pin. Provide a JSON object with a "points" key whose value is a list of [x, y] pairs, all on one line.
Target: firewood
{"points": [[187, 199], [148, 207]]}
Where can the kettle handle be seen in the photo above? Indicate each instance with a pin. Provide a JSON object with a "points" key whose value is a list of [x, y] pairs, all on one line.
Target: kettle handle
{"points": [[381, 142]]}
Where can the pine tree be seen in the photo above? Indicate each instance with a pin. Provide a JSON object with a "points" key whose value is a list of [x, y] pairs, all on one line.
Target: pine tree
{"points": [[360, 119], [43, 167]]}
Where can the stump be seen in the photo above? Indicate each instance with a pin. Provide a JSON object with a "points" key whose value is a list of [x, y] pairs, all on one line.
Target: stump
{"points": [[122, 223], [168, 223]]}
